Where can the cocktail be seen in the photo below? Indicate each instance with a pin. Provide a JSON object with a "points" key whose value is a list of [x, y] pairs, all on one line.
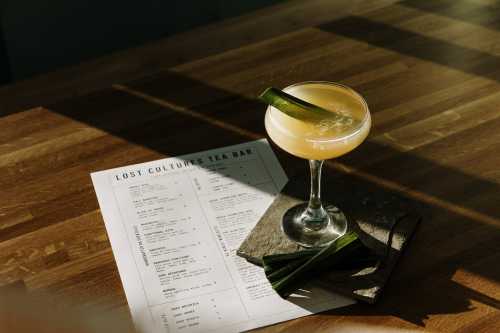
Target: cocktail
{"points": [[335, 122]]}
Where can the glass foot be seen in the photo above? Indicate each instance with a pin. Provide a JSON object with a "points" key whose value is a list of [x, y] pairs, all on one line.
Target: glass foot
{"points": [[309, 232]]}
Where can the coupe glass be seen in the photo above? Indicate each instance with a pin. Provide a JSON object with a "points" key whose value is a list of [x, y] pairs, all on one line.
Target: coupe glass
{"points": [[314, 224]]}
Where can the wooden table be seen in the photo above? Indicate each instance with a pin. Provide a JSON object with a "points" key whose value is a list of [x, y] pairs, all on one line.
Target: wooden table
{"points": [[430, 72]]}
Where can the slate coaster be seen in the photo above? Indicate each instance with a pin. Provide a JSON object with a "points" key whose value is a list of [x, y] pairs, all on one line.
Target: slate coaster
{"points": [[383, 220]]}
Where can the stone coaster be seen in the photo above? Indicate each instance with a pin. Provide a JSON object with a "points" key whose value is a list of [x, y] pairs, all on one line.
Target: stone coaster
{"points": [[383, 220]]}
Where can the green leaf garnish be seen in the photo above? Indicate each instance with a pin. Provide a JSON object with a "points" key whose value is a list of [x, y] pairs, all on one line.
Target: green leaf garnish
{"points": [[300, 109]]}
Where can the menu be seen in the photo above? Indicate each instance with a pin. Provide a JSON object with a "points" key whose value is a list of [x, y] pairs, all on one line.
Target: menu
{"points": [[175, 225]]}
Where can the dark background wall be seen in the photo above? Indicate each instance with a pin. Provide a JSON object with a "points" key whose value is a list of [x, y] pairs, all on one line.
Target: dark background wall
{"points": [[5, 76], [40, 36]]}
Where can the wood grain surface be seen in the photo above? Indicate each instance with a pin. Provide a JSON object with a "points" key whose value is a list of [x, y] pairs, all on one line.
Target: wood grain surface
{"points": [[429, 70]]}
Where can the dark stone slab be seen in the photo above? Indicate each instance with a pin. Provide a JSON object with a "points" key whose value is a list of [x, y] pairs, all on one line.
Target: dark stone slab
{"points": [[383, 220]]}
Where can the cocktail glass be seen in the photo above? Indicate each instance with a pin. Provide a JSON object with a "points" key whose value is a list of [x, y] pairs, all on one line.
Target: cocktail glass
{"points": [[314, 224]]}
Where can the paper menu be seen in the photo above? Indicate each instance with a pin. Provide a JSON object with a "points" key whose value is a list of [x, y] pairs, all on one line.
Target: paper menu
{"points": [[175, 225]]}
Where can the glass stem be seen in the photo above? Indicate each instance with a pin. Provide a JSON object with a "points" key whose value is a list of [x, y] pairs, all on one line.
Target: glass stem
{"points": [[315, 215]]}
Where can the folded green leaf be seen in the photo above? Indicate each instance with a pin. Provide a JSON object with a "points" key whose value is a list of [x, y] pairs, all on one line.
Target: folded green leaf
{"points": [[359, 257], [300, 109], [341, 248], [279, 271]]}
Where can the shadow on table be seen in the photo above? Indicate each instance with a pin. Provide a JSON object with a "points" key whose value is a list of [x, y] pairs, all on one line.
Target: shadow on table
{"points": [[467, 60], [467, 11], [421, 303], [173, 115]]}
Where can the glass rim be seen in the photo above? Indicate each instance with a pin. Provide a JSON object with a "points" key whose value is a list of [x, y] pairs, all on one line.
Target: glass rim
{"points": [[350, 90]]}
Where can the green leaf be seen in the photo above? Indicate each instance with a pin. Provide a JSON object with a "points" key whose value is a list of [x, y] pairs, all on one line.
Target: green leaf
{"points": [[329, 255], [277, 272], [300, 109]]}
